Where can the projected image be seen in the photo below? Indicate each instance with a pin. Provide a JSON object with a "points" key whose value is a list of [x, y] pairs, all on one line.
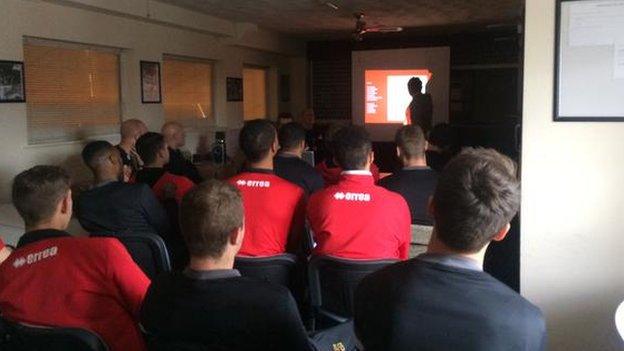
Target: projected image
{"points": [[387, 96]]}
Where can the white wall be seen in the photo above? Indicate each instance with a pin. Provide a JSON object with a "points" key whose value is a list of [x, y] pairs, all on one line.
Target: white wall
{"points": [[572, 240], [144, 33]]}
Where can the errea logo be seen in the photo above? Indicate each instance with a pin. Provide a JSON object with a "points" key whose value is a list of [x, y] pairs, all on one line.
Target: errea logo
{"points": [[364, 197], [254, 183], [35, 257]]}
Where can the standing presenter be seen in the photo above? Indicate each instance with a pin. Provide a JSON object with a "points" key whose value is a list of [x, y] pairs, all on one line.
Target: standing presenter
{"points": [[420, 110]]}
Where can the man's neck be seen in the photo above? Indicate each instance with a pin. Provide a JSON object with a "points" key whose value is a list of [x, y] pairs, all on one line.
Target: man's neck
{"points": [[126, 144], [295, 153], [438, 247], [55, 224], [415, 162], [211, 264], [263, 164], [155, 164], [172, 146]]}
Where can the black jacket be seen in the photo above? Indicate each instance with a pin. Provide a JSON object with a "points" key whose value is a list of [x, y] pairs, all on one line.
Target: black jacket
{"points": [[299, 172]]}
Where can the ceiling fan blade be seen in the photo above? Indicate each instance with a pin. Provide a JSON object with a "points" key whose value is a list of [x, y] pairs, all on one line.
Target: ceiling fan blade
{"points": [[383, 29]]}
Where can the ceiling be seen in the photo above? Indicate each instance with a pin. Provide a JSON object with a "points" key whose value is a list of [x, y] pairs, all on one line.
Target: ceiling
{"points": [[316, 19]]}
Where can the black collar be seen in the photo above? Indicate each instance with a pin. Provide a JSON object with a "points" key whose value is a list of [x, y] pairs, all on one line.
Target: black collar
{"points": [[258, 170], [212, 274], [38, 235]]}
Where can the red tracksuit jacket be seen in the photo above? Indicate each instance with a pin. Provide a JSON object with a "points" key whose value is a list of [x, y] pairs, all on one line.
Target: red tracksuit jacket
{"points": [[89, 283], [274, 213], [356, 219]]}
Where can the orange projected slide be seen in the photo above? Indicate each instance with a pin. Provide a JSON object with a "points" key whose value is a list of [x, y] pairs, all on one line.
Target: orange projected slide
{"points": [[386, 96]]}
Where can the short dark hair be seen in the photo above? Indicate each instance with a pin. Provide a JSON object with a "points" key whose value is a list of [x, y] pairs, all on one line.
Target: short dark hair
{"points": [[95, 152], [477, 194], [256, 139], [414, 85], [352, 147], [410, 140], [37, 191], [291, 135], [148, 146], [208, 214]]}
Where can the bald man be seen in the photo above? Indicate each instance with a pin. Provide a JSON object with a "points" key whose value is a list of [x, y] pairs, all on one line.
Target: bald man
{"points": [[131, 130], [175, 138]]}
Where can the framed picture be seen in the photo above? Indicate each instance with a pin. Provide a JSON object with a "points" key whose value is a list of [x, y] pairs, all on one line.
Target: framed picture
{"points": [[589, 61], [234, 89], [150, 82], [12, 82], [285, 88]]}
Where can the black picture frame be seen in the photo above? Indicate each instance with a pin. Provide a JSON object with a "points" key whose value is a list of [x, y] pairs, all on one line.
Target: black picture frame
{"points": [[151, 91], [556, 86], [12, 82], [234, 89]]}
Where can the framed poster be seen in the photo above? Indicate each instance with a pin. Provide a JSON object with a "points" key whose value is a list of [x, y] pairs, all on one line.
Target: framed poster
{"points": [[589, 61], [234, 88], [150, 82], [12, 82]]}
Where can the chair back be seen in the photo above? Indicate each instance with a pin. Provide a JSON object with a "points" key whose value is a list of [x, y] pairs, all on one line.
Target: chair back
{"points": [[332, 282], [277, 269], [24, 337], [147, 250]]}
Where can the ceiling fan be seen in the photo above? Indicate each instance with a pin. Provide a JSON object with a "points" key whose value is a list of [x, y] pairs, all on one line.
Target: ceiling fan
{"points": [[361, 29]]}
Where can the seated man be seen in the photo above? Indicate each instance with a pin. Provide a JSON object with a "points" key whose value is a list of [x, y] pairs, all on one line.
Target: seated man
{"points": [[288, 163], [442, 299], [53, 279], [356, 219], [274, 207], [155, 155], [415, 182], [328, 168], [209, 304], [112, 206], [175, 137], [131, 130]]}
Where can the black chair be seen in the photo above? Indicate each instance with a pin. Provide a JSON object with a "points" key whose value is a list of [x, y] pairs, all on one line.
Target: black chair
{"points": [[22, 337], [332, 283], [277, 269], [147, 250]]}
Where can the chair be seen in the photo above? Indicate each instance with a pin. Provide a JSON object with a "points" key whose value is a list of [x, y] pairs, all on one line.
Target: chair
{"points": [[420, 239], [277, 269], [22, 337], [147, 250], [332, 283]]}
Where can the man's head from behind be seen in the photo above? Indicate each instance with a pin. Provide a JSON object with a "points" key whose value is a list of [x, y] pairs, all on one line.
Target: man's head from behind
{"points": [[411, 143], [132, 129], [414, 86], [152, 149], [477, 195], [292, 137], [42, 197], [211, 220], [352, 148], [174, 134], [103, 159], [258, 140]]}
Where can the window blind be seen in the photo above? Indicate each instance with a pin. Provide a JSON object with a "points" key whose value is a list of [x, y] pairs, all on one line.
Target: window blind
{"points": [[71, 92], [187, 90], [254, 93]]}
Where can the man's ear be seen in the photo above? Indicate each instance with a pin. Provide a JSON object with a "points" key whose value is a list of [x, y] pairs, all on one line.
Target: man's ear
{"points": [[237, 235], [398, 152], [67, 203], [502, 233], [372, 157], [275, 146], [303, 144]]}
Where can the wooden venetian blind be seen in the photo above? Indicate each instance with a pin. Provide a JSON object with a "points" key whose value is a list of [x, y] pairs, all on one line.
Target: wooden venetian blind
{"points": [[187, 89], [71, 92], [254, 93]]}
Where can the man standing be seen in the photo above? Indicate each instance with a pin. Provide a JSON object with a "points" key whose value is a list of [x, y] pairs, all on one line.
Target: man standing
{"points": [[356, 219], [288, 163], [442, 299], [53, 279], [175, 138], [415, 181], [274, 207], [420, 110]]}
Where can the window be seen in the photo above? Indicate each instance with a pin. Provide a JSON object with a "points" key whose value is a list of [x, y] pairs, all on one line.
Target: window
{"points": [[72, 91], [254, 93], [187, 90]]}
